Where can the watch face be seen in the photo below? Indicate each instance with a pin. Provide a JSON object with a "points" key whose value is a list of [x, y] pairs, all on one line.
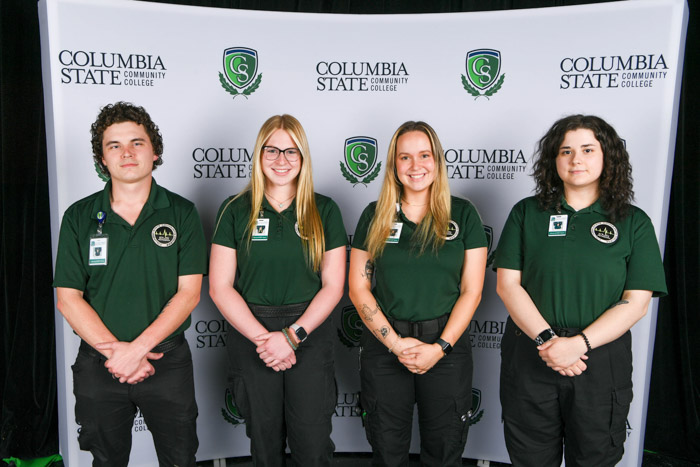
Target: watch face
{"points": [[544, 336], [301, 333], [446, 346]]}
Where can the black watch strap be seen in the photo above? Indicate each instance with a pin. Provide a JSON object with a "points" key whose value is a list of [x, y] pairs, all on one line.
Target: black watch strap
{"points": [[446, 346], [544, 336]]}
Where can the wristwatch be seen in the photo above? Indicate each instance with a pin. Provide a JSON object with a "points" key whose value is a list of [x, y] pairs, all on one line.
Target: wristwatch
{"points": [[446, 346], [299, 331], [544, 336]]}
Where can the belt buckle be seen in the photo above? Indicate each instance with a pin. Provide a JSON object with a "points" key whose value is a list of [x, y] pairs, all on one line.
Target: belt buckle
{"points": [[416, 329]]}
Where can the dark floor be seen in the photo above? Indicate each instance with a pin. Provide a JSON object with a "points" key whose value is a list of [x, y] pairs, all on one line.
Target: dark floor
{"points": [[343, 460], [360, 459], [357, 460]]}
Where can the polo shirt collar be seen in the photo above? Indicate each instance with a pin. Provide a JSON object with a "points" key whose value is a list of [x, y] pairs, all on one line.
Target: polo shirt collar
{"points": [[595, 207], [266, 206], [157, 199]]}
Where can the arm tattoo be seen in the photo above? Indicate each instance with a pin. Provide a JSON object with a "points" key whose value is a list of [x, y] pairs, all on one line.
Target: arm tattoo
{"points": [[621, 302], [367, 313], [369, 270], [382, 332]]}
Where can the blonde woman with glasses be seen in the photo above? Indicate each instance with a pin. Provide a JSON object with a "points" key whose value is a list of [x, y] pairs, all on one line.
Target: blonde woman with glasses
{"points": [[277, 272]]}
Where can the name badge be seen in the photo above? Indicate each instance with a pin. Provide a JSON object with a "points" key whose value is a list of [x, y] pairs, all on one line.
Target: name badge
{"points": [[557, 225], [262, 227], [395, 232], [98, 251]]}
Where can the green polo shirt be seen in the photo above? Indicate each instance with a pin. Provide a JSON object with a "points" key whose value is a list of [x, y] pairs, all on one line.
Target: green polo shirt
{"points": [[273, 270], [574, 278], [144, 261], [412, 286]]}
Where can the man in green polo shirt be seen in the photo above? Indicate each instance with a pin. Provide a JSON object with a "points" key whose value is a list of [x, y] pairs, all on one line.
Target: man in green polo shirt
{"points": [[128, 274]]}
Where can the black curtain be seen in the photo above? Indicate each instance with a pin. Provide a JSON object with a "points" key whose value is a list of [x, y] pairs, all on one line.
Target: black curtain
{"points": [[28, 427], [28, 421], [673, 419]]}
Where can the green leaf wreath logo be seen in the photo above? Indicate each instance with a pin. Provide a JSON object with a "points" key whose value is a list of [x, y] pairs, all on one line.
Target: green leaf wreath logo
{"points": [[476, 405], [351, 327], [360, 159], [240, 69], [102, 175], [483, 69], [230, 412], [488, 230]]}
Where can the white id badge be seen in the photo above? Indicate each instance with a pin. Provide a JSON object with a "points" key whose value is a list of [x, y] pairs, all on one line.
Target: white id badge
{"points": [[557, 225], [261, 228], [98, 251], [395, 232]]}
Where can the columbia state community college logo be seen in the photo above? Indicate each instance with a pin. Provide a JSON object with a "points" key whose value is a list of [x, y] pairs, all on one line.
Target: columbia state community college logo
{"points": [[360, 159], [475, 414], [230, 411], [350, 329], [483, 76], [240, 71]]}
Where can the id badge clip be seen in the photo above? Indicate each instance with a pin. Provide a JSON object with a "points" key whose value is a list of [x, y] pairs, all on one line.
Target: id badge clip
{"points": [[98, 244]]}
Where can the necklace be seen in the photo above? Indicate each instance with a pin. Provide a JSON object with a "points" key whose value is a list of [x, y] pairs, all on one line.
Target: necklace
{"points": [[280, 203], [416, 205]]}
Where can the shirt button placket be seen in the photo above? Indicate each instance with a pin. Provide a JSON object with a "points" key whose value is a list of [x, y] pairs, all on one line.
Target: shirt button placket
{"points": [[278, 230]]}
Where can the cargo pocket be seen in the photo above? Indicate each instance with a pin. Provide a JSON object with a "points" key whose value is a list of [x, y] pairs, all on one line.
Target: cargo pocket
{"points": [[463, 417], [621, 400], [368, 410]]}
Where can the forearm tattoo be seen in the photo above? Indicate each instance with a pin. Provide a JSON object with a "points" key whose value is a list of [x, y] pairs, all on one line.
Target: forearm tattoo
{"points": [[381, 332], [367, 313], [369, 270], [621, 302]]}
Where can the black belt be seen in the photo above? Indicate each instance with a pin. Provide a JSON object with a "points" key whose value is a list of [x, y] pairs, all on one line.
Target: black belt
{"points": [[566, 332], [165, 346], [419, 328], [280, 311]]}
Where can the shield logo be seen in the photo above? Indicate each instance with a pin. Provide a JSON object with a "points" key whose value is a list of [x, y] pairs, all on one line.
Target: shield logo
{"points": [[360, 154], [488, 230], [351, 327], [476, 400], [483, 67], [240, 65], [230, 412]]}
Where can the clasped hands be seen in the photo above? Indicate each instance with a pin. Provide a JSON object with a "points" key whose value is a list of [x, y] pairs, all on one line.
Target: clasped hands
{"points": [[275, 351], [418, 357], [126, 362], [565, 355]]}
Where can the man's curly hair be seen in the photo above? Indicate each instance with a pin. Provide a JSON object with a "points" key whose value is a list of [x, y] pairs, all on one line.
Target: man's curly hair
{"points": [[615, 184], [121, 112]]}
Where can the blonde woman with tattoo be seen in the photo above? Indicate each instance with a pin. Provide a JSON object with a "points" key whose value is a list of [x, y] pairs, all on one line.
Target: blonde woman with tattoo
{"points": [[425, 251]]}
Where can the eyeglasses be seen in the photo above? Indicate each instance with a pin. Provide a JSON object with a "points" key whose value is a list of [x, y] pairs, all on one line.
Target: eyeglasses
{"points": [[272, 153]]}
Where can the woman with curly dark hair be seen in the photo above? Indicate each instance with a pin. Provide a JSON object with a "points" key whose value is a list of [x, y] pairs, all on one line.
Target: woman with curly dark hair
{"points": [[577, 267]]}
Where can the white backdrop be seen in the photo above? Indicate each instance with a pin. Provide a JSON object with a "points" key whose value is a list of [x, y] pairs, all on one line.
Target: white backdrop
{"points": [[348, 76]]}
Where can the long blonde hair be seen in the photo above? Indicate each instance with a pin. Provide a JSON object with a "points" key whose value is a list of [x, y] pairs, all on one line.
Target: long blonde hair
{"points": [[432, 229], [310, 227]]}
